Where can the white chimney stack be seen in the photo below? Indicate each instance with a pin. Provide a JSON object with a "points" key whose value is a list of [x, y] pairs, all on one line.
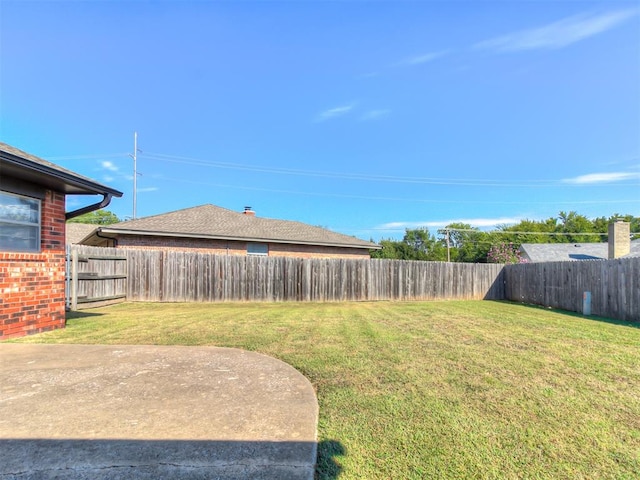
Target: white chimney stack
{"points": [[619, 239]]}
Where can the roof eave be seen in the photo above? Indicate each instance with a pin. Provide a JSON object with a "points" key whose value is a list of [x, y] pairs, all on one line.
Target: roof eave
{"points": [[50, 177], [114, 231]]}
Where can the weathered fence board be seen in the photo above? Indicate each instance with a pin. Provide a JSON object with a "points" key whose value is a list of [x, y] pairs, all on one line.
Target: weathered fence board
{"points": [[614, 286], [172, 276], [95, 277]]}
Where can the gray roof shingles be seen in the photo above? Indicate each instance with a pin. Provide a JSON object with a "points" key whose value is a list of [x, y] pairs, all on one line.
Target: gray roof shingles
{"points": [[554, 252], [75, 232], [210, 221]]}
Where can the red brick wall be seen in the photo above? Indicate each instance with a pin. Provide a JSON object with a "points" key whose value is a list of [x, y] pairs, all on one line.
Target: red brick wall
{"points": [[234, 247], [178, 243], [313, 251], [32, 284]]}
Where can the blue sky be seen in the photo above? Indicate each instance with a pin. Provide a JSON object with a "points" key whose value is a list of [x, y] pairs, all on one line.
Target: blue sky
{"points": [[363, 117]]}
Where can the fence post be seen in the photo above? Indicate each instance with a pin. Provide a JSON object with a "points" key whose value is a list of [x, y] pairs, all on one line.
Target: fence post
{"points": [[74, 279], [67, 278]]}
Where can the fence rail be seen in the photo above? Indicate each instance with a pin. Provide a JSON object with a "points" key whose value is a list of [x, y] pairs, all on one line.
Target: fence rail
{"points": [[95, 277]]}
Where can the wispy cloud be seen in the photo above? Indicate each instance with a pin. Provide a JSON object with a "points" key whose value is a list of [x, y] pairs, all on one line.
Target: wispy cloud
{"points": [[420, 59], [558, 34], [610, 177], [147, 189], [108, 165], [474, 222], [334, 112], [374, 114]]}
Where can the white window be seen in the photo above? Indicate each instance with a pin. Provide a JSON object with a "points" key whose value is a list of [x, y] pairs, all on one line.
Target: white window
{"points": [[19, 223], [257, 249]]}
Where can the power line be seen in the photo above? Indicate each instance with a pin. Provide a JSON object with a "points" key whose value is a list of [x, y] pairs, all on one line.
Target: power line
{"points": [[345, 176], [337, 175], [399, 199], [363, 177], [507, 232]]}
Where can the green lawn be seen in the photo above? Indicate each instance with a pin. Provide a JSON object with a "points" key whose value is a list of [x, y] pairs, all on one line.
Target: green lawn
{"points": [[462, 389]]}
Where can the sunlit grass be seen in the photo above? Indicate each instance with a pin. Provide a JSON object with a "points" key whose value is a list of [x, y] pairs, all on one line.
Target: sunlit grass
{"points": [[428, 390]]}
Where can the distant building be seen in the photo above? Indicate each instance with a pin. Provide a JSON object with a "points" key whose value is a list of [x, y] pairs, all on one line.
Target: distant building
{"points": [[213, 229], [619, 246], [77, 231]]}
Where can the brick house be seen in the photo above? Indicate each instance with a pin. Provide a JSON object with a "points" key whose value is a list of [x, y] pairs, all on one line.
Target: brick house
{"points": [[32, 239], [212, 229]]}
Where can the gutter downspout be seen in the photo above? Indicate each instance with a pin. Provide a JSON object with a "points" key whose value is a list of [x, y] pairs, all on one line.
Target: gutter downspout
{"points": [[114, 240], [106, 200]]}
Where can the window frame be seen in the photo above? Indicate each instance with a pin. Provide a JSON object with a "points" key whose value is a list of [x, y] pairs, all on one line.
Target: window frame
{"points": [[28, 225], [264, 252]]}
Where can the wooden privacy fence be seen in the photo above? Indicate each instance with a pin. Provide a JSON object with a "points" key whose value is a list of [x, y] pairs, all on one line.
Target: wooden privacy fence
{"points": [[170, 276], [614, 286], [109, 275], [95, 277]]}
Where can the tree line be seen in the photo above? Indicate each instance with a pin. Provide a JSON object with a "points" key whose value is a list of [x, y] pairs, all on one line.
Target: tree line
{"points": [[460, 242], [97, 217]]}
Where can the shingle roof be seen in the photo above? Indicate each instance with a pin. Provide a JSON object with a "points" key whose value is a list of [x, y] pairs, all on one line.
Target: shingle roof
{"points": [[75, 232], [210, 221], [554, 252], [28, 167]]}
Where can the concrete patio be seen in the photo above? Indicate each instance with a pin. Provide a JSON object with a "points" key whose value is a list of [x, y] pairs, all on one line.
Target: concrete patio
{"points": [[122, 412]]}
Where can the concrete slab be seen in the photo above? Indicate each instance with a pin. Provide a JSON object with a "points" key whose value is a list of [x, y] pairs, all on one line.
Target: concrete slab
{"points": [[122, 412]]}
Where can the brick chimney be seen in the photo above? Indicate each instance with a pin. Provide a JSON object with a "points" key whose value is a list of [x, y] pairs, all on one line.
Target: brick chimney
{"points": [[619, 239], [248, 211]]}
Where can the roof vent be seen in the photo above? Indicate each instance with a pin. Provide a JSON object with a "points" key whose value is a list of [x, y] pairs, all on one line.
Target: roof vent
{"points": [[248, 211]]}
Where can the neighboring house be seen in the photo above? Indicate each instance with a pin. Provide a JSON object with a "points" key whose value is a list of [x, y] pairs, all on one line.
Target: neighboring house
{"points": [[208, 228], [558, 252], [32, 239], [77, 231]]}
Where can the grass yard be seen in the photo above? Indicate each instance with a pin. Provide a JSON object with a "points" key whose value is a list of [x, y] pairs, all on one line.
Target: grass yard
{"points": [[462, 389]]}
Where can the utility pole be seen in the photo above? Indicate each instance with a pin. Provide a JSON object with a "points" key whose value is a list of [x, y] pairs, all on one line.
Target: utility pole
{"points": [[448, 246], [135, 172]]}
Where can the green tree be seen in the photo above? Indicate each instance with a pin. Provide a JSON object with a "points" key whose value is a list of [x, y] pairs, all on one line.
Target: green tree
{"points": [[390, 249], [98, 217], [540, 231], [467, 243], [420, 244], [417, 244], [574, 225]]}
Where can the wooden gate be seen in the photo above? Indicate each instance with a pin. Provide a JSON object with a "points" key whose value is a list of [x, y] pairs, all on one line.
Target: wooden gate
{"points": [[95, 277]]}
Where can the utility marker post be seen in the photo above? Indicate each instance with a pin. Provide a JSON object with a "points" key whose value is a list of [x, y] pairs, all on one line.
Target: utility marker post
{"points": [[586, 303]]}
